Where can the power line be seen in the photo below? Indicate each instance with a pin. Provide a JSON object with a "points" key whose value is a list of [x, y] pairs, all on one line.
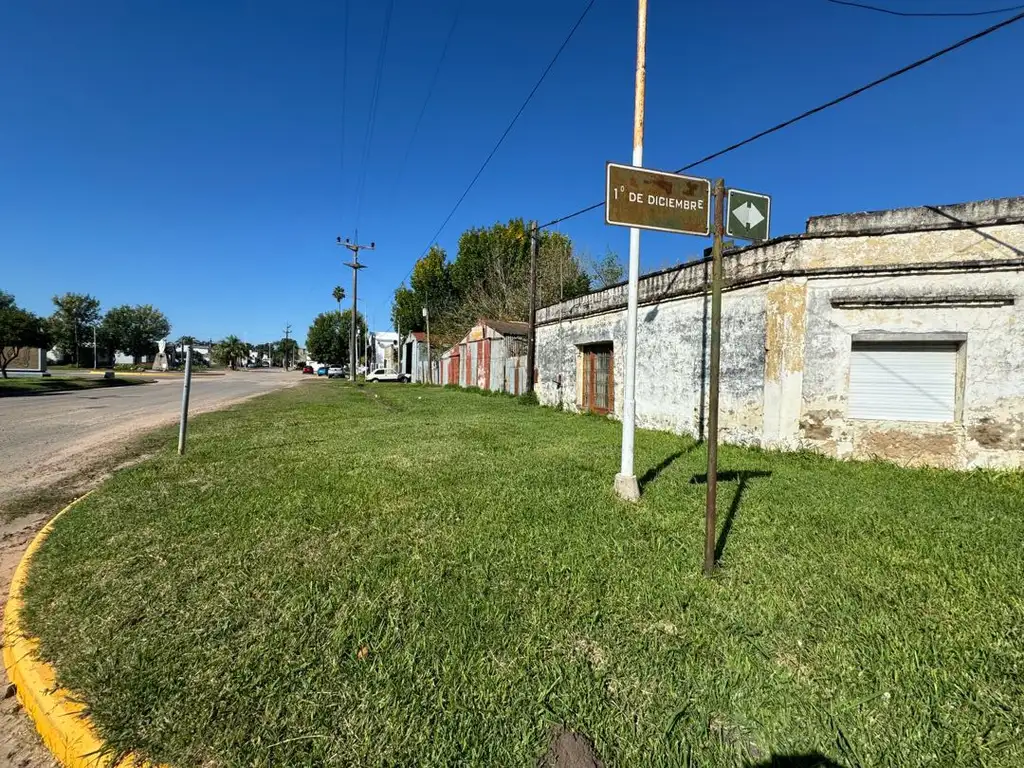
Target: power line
{"points": [[344, 89], [821, 108], [544, 74], [924, 14], [374, 100], [430, 88]]}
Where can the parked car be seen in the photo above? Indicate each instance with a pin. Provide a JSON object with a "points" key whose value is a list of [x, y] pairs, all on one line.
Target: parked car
{"points": [[335, 372], [383, 374], [308, 369], [321, 371]]}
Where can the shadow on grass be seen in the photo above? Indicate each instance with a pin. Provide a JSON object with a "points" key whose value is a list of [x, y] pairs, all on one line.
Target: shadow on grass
{"points": [[652, 474], [743, 476], [809, 760]]}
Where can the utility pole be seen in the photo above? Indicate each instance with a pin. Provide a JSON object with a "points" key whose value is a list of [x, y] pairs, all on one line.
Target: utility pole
{"points": [[430, 373], [284, 352], [356, 266], [710, 513], [95, 350], [531, 341], [626, 485]]}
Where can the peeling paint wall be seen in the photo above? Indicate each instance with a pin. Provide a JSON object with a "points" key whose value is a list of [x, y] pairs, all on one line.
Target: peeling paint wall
{"points": [[672, 360], [991, 430], [790, 311]]}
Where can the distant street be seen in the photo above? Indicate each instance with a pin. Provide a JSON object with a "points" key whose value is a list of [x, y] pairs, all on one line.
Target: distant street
{"points": [[44, 438]]}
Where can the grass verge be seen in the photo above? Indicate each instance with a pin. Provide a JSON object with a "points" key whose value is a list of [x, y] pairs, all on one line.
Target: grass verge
{"points": [[21, 386], [404, 575]]}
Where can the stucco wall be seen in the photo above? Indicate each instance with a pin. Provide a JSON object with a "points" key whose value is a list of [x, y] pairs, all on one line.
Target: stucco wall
{"points": [[790, 313], [671, 362], [991, 431]]}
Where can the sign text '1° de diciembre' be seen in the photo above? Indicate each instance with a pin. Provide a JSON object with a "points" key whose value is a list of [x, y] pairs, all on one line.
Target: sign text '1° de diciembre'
{"points": [[668, 202]]}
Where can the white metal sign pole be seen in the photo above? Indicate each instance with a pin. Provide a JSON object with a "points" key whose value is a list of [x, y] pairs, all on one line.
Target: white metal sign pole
{"points": [[625, 482]]}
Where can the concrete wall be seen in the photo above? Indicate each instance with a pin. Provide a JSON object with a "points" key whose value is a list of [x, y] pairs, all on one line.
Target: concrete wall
{"points": [[672, 361], [790, 312]]}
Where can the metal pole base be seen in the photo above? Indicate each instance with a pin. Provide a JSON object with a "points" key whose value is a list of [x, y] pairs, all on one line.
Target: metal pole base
{"points": [[627, 487]]}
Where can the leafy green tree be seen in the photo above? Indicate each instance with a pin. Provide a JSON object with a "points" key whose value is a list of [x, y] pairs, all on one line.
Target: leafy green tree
{"points": [[284, 351], [607, 270], [490, 277], [19, 330], [72, 322], [230, 351], [327, 339], [135, 330]]}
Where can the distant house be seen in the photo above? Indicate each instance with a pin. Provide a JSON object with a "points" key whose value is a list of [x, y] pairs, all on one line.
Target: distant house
{"points": [[414, 356], [492, 355]]}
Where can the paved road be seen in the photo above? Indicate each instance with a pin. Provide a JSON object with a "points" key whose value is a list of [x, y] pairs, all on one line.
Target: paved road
{"points": [[44, 438]]}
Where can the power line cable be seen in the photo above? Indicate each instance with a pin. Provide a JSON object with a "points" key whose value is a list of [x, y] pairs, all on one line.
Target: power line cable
{"points": [[430, 89], [821, 108], [344, 89], [925, 14], [374, 100], [507, 130]]}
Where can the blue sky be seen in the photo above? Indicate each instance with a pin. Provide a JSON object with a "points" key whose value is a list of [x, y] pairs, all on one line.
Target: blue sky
{"points": [[199, 156]]}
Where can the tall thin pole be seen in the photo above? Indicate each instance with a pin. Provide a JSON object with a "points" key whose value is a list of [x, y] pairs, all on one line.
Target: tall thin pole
{"points": [[531, 341], [710, 523], [625, 482], [430, 372], [356, 266], [183, 424], [353, 357], [95, 350]]}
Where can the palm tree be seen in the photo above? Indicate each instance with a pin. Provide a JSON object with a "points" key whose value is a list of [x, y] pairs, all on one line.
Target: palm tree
{"points": [[338, 293], [231, 350]]}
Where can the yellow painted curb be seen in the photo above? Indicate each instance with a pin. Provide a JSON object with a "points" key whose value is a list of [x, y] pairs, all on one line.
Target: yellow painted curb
{"points": [[65, 728]]}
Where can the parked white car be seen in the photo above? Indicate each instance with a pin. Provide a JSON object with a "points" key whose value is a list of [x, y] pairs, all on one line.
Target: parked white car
{"points": [[383, 374], [335, 372]]}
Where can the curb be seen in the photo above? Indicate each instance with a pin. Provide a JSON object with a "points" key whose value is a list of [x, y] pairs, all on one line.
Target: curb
{"points": [[61, 722]]}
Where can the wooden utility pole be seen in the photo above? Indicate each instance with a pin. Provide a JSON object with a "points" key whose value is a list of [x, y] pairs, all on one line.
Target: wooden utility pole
{"points": [[284, 352], [356, 266], [710, 522], [531, 341]]}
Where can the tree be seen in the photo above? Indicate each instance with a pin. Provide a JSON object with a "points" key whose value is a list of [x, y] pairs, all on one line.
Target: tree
{"points": [[19, 329], [135, 330], [606, 270], [327, 339], [490, 277], [76, 313], [284, 351], [338, 293], [229, 351]]}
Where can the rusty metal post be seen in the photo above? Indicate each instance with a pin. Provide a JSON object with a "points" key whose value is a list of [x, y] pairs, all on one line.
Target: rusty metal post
{"points": [[710, 522], [531, 341], [626, 485]]}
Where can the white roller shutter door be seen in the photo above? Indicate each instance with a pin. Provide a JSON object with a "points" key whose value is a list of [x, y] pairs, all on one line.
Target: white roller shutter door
{"points": [[903, 381]]}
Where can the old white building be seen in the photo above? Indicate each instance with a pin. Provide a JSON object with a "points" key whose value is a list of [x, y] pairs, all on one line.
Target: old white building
{"points": [[895, 334]]}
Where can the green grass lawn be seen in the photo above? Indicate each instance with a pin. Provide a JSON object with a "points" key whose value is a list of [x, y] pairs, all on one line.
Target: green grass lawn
{"points": [[24, 385], [408, 576]]}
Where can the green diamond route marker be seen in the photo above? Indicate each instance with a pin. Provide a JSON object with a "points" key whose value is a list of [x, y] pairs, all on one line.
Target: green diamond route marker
{"points": [[748, 215]]}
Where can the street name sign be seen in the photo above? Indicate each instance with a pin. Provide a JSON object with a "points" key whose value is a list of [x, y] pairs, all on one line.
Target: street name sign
{"points": [[667, 202], [748, 215]]}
